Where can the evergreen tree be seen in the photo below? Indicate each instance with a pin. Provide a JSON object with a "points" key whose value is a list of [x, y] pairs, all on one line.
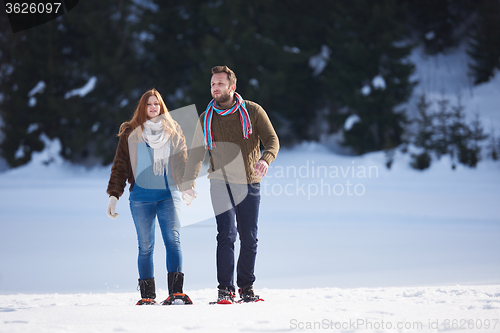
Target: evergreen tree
{"points": [[367, 74], [477, 135], [174, 48], [465, 139], [441, 140], [424, 135], [444, 133], [493, 146], [484, 45], [459, 133], [91, 45], [441, 24]]}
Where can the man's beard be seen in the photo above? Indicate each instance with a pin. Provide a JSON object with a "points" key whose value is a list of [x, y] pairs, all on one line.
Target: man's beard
{"points": [[222, 98]]}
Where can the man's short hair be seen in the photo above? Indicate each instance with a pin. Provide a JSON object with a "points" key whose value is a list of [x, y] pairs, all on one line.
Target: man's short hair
{"points": [[224, 69]]}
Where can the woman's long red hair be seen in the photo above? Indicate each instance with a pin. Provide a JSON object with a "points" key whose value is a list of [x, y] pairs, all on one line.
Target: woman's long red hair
{"points": [[140, 114]]}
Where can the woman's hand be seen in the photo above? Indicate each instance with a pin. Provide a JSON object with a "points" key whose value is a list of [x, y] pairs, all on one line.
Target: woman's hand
{"points": [[188, 196], [112, 207]]}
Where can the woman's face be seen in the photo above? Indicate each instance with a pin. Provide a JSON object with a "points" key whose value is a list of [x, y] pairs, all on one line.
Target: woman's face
{"points": [[153, 107]]}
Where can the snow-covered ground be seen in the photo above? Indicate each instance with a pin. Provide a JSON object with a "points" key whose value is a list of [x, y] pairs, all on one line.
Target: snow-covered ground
{"points": [[374, 246], [420, 309], [344, 243]]}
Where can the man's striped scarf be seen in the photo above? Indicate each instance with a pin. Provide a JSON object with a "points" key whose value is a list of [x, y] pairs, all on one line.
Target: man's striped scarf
{"points": [[244, 118]]}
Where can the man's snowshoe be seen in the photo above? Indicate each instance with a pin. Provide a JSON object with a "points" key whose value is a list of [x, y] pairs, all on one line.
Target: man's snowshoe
{"points": [[225, 296], [247, 295]]}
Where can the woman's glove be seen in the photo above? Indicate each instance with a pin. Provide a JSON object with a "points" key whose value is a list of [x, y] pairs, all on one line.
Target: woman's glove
{"points": [[112, 206]]}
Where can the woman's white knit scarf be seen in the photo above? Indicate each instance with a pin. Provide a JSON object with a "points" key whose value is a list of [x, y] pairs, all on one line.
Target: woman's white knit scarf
{"points": [[154, 135]]}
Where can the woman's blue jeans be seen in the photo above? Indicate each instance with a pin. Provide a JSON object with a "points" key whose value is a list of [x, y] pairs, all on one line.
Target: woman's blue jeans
{"points": [[168, 214]]}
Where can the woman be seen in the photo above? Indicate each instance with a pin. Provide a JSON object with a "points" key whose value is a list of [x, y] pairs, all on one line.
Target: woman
{"points": [[152, 155]]}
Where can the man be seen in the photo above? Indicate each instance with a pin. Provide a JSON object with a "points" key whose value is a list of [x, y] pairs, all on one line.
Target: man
{"points": [[232, 130]]}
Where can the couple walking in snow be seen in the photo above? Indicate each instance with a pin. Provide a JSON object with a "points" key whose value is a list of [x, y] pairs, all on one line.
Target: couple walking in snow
{"points": [[152, 156]]}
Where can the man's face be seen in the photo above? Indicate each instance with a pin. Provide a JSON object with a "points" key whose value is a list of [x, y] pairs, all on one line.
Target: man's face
{"points": [[221, 89]]}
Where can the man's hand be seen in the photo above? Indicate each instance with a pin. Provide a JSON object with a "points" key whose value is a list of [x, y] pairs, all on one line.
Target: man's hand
{"points": [[188, 196], [261, 168]]}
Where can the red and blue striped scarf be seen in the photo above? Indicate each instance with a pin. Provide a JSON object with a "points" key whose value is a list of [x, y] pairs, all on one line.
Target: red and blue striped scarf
{"points": [[244, 118]]}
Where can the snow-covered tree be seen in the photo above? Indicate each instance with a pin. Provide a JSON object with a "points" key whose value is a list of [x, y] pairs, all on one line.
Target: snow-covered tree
{"points": [[71, 79], [484, 45]]}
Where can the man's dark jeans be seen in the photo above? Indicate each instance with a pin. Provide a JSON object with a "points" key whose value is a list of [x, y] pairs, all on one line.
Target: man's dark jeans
{"points": [[236, 207]]}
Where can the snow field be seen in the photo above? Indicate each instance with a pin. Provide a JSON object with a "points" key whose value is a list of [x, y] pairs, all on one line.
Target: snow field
{"points": [[407, 229], [422, 309]]}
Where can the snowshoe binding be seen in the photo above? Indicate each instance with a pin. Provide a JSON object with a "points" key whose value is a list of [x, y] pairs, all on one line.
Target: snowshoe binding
{"points": [[146, 301], [247, 295], [177, 298], [225, 296]]}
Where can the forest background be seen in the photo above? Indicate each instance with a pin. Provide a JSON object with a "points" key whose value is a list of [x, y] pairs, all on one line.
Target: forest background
{"points": [[321, 70]]}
